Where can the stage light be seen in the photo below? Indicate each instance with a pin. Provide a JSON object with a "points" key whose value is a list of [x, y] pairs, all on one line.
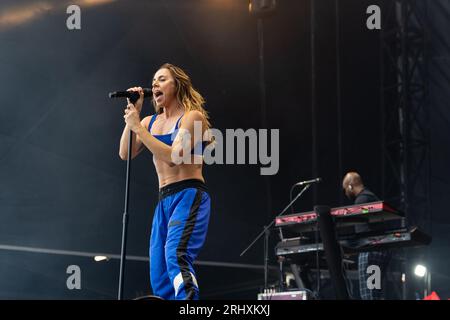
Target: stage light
{"points": [[261, 7], [101, 258], [420, 271]]}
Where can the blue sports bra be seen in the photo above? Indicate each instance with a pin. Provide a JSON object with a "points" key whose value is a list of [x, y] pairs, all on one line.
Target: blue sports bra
{"points": [[167, 138]]}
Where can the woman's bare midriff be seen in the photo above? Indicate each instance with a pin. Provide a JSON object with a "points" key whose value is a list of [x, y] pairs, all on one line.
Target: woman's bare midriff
{"points": [[169, 174]]}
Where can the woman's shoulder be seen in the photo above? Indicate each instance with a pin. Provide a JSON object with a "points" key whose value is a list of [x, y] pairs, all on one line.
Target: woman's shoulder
{"points": [[193, 115], [190, 117]]}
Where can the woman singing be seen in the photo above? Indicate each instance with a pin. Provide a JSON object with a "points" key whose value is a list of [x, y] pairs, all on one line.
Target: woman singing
{"points": [[180, 221]]}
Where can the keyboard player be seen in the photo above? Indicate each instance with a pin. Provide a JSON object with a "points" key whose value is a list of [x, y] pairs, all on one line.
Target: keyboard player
{"points": [[356, 191]]}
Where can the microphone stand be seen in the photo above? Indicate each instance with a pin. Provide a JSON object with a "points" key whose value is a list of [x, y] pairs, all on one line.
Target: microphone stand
{"points": [[125, 212], [125, 218], [266, 233]]}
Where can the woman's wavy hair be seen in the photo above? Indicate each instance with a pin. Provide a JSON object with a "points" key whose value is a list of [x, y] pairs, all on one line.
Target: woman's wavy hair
{"points": [[185, 93]]}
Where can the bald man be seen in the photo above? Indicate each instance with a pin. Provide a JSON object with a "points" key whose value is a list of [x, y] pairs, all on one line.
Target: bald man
{"points": [[355, 190]]}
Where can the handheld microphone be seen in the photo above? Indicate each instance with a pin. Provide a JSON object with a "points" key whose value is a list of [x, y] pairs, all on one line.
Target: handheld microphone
{"points": [[316, 180], [132, 95]]}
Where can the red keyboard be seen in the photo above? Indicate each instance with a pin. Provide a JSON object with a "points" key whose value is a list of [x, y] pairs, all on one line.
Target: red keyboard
{"points": [[367, 212]]}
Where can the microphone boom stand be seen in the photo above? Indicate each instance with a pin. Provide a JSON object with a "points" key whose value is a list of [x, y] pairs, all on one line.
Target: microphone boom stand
{"points": [[265, 232]]}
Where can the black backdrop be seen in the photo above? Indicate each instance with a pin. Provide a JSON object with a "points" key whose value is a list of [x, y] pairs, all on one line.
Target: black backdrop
{"points": [[62, 181]]}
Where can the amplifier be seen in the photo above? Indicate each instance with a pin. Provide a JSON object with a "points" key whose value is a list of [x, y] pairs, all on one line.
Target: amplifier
{"points": [[287, 295]]}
